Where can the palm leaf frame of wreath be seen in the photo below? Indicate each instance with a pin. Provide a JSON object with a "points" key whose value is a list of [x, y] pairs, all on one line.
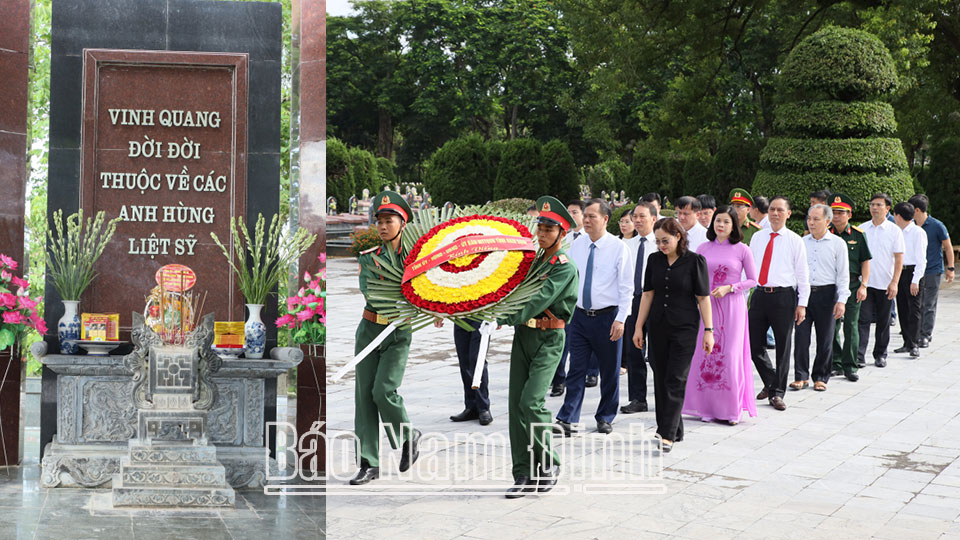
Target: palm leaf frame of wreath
{"points": [[430, 229]]}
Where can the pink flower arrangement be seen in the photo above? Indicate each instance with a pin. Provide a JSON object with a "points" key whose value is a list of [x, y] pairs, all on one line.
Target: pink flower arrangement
{"points": [[17, 310], [306, 311]]}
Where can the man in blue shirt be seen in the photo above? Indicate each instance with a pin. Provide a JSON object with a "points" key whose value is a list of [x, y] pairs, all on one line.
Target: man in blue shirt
{"points": [[938, 242]]}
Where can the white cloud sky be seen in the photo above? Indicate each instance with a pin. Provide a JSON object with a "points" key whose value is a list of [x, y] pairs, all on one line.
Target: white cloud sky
{"points": [[338, 7]]}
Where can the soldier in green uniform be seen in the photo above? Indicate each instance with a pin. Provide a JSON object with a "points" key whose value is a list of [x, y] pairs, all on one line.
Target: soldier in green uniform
{"points": [[537, 346], [845, 354], [742, 201], [381, 372]]}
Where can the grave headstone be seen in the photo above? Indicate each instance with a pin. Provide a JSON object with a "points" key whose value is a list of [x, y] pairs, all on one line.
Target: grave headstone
{"points": [[331, 206]]}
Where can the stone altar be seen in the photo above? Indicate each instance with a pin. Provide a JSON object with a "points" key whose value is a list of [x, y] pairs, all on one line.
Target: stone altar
{"points": [[97, 417]]}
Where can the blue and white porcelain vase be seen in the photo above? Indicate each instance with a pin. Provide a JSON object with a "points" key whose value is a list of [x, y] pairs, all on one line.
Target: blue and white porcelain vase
{"points": [[68, 328], [255, 339]]}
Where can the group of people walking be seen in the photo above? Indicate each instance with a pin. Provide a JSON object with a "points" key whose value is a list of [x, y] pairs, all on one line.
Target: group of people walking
{"points": [[695, 297]]}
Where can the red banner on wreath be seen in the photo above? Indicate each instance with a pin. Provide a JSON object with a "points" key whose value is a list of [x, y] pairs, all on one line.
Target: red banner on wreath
{"points": [[468, 245]]}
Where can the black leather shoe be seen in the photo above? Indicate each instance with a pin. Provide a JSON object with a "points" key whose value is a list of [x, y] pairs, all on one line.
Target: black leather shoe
{"points": [[411, 451], [548, 479], [522, 486], [836, 373], [852, 377], [365, 475], [925, 342], [557, 390], [634, 406], [901, 350], [880, 361], [562, 428], [591, 381], [467, 414], [604, 427], [485, 418], [861, 363], [915, 352]]}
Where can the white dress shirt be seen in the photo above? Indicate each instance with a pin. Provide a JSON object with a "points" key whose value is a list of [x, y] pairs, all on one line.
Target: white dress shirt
{"points": [[649, 247], [612, 280], [829, 263], [915, 240], [696, 236], [764, 223], [883, 240], [788, 263]]}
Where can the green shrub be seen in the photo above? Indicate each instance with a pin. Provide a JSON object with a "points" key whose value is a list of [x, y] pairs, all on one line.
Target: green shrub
{"points": [[562, 174], [649, 172], [619, 171], [859, 186], [516, 205], [735, 165], [387, 170], [840, 63], [340, 183], [599, 179], [940, 183], [363, 169], [460, 171], [834, 155], [364, 240], [613, 227], [521, 172], [835, 119], [698, 175], [797, 224]]}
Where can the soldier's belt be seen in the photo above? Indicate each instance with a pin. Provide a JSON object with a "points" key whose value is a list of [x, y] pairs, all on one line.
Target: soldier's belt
{"points": [[545, 324], [375, 317]]}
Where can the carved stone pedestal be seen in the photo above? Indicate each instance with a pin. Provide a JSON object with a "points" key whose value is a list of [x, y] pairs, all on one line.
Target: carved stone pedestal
{"points": [[165, 474]]}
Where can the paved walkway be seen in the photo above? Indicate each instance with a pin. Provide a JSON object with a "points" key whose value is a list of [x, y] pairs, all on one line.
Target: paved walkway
{"points": [[876, 458]]}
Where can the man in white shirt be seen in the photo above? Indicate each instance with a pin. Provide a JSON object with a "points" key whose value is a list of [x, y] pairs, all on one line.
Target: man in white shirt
{"points": [[885, 241], [641, 246], [911, 279], [780, 299], [829, 267], [603, 304], [654, 199], [687, 210], [758, 212]]}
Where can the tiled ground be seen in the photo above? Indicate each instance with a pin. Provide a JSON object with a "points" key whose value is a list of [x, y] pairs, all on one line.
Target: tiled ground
{"points": [[874, 458]]}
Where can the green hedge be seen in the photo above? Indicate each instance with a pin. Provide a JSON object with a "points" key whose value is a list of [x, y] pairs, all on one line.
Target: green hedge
{"points": [[835, 119], [339, 180], [841, 63], [561, 170], [884, 156], [521, 172], [798, 186], [363, 169], [461, 172], [735, 165], [517, 205]]}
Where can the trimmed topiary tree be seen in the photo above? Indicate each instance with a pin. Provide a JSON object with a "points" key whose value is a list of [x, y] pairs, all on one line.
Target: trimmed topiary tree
{"points": [[561, 170], [363, 168], [940, 182], [835, 131], [521, 173], [460, 171]]}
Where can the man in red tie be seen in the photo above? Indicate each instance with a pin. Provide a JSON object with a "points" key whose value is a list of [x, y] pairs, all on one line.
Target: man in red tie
{"points": [[780, 301]]}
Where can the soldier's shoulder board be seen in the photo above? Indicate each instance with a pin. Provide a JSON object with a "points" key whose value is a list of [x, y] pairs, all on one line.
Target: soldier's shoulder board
{"points": [[858, 229], [755, 225], [562, 259], [371, 250]]}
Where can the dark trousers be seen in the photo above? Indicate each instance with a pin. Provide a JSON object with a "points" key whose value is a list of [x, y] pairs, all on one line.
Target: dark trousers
{"points": [[591, 335], [635, 358], [910, 307], [671, 350], [819, 315], [468, 346], [928, 305], [772, 310], [845, 352], [560, 376], [875, 309]]}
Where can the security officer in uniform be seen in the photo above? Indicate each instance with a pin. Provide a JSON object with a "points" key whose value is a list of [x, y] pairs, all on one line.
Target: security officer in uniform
{"points": [[381, 372], [845, 354], [537, 346], [742, 201]]}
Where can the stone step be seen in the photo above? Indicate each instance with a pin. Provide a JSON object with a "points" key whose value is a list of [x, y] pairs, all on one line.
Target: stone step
{"points": [[162, 454], [172, 475], [172, 496]]}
